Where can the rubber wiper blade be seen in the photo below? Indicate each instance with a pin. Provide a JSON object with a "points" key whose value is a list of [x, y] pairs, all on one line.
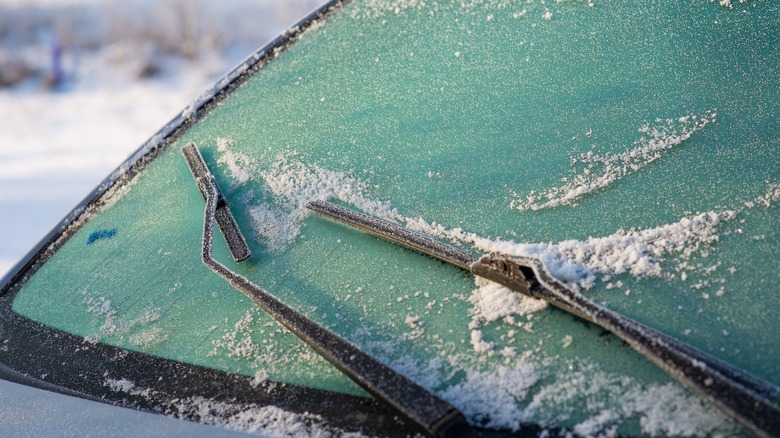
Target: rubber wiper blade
{"points": [[389, 231], [744, 397], [431, 414], [225, 219]]}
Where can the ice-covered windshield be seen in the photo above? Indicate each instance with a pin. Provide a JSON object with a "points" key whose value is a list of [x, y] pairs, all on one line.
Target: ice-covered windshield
{"points": [[632, 147]]}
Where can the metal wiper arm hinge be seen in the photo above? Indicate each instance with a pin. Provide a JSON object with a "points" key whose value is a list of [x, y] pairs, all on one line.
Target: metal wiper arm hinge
{"points": [[433, 415], [739, 394]]}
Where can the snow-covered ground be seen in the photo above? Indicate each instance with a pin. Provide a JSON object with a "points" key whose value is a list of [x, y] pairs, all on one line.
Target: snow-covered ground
{"points": [[128, 67]]}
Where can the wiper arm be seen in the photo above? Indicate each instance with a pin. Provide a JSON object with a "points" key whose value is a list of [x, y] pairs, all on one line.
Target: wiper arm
{"points": [[225, 219], [433, 415], [739, 394]]}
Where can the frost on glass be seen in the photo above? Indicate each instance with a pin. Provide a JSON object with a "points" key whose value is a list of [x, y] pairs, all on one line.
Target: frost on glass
{"points": [[638, 161]]}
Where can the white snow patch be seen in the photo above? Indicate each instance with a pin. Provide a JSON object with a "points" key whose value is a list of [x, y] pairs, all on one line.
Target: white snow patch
{"points": [[493, 398], [427, 374], [493, 301], [267, 421], [727, 3], [479, 344], [123, 385], [148, 337], [138, 329], [273, 226], [598, 424], [577, 263], [296, 184], [663, 410], [601, 171], [236, 162], [116, 193], [771, 196], [292, 184], [238, 343], [412, 322], [261, 376], [668, 410]]}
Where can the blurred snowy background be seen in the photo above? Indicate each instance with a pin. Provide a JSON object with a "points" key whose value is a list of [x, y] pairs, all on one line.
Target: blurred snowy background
{"points": [[83, 83]]}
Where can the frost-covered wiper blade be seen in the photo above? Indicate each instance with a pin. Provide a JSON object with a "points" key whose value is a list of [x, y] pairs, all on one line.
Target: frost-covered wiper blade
{"points": [[739, 394], [432, 414], [225, 219]]}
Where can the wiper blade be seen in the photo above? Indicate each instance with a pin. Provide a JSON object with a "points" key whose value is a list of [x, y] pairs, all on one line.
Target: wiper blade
{"points": [[432, 414], [392, 232], [739, 394], [225, 219]]}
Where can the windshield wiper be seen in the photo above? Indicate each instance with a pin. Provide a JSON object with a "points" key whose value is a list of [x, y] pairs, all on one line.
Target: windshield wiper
{"points": [[739, 394], [225, 219], [433, 415]]}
